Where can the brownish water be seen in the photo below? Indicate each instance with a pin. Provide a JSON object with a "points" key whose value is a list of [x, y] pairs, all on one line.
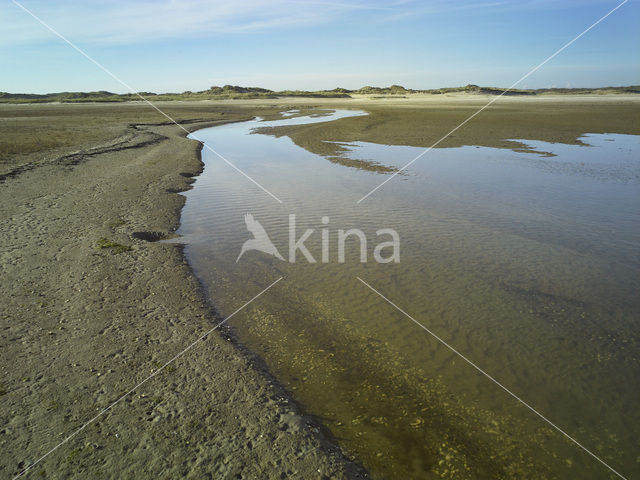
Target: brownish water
{"points": [[526, 264]]}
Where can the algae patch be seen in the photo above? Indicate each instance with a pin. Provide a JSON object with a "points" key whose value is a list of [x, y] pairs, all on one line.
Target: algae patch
{"points": [[113, 247]]}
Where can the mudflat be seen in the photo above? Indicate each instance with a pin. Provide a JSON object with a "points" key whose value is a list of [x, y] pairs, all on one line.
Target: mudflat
{"points": [[424, 120], [92, 304]]}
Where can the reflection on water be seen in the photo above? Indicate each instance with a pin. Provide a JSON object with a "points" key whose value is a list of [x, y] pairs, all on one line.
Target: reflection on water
{"points": [[525, 263]]}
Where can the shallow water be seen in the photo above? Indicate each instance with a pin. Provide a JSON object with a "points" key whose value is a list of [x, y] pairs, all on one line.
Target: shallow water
{"points": [[525, 263]]}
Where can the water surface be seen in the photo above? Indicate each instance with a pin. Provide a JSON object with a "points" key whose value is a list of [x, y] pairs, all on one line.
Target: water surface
{"points": [[526, 263]]}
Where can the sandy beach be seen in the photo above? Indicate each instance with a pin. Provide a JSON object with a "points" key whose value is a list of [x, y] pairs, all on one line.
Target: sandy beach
{"points": [[92, 304], [89, 311]]}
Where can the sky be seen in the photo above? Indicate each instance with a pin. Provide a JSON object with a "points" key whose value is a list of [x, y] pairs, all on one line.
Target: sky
{"points": [[179, 45]]}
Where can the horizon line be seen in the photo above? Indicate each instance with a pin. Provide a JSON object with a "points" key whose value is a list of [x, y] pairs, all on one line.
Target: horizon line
{"points": [[228, 88]]}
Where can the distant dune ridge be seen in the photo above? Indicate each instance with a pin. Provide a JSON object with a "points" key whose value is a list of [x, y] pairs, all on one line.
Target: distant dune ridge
{"points": [[238, 92]]}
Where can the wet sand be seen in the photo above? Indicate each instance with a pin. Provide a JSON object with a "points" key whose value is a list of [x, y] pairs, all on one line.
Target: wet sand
{"points": [[89, 311], [90, 307], [425, 120]]}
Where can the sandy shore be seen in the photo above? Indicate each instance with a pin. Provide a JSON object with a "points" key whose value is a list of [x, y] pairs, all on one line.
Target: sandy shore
{"points": [[90, 308], [423, 120], [81, 325]]}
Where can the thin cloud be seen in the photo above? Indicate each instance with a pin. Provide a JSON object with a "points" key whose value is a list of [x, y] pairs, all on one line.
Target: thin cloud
{"points": [[125, 22], [119, 22]]}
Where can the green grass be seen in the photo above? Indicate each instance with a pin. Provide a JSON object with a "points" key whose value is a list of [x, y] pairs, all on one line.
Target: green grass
{"points": [[115, 248]]}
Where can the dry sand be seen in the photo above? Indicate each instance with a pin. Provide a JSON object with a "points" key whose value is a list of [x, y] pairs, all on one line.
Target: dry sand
{"points": [[81, 325]]}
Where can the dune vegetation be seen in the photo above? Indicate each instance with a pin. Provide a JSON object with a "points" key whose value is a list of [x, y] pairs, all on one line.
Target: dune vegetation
{"points": [[234, 92]]}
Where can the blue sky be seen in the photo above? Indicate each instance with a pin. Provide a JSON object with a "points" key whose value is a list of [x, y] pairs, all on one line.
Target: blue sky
{"points": [[173, 45]]}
